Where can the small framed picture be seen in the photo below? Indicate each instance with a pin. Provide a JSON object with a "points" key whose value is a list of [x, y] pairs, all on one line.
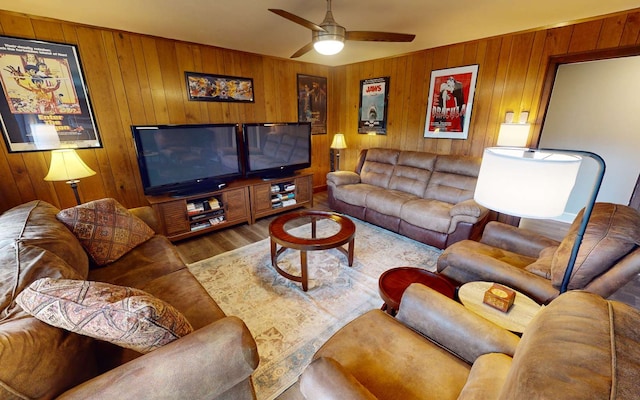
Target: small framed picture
{"points": [[208, 87], [312, 102], [374, 95], [450, 102]]}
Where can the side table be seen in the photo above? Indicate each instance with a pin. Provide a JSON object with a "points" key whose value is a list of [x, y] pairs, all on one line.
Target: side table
{"points": [[394, 282], [516, 319]]}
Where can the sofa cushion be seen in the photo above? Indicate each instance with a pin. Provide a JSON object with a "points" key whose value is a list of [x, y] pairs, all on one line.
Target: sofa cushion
{"points": [[416, 363], [124, 316], [542, 266], [412, 172], [388, 202], [105, 229], [428, 214], [454, 179], [378, 167], [35, 224], [39, 361], [613, 230], [355, 194]]}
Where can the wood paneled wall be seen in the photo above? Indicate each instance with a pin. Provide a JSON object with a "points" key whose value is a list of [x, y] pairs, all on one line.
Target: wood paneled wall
{"points": [[511, 77], [136, 79], [133, 80]]}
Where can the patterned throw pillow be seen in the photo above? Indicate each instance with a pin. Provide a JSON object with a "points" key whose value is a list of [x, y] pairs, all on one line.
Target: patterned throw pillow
{"points": [[105, 229], [121, 315]]}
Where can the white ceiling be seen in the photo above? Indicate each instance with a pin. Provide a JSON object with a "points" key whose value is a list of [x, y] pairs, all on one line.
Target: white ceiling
{"points": [[247, 25]]}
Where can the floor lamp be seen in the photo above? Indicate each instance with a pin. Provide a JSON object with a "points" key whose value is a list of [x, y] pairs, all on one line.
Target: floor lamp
{"points": [[66, 165], [338, 143], [535, 183]]}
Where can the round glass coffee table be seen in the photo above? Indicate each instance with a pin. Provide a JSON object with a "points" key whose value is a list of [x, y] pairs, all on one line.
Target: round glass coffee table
{"points": [[280, 234]]}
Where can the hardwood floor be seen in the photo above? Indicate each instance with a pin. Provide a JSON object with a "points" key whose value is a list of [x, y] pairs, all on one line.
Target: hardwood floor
{"points": [[209, 245]]}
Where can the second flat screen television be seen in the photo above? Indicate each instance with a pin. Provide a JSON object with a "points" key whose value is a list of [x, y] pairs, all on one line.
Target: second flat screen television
{"points": [[275, 150]]}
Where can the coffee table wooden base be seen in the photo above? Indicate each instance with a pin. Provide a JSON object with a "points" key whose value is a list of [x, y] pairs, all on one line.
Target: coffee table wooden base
{"points": [[279, 235]]}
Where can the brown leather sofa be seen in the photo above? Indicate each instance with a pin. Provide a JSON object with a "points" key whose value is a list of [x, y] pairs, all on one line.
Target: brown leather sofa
{"points": [[609, 255], [581, 346], [38, 360], [427, 197]]}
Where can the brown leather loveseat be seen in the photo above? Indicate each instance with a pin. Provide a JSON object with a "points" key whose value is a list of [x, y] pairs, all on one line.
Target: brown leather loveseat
{"points": [[427, 197], [581, 346], [38, 360]]}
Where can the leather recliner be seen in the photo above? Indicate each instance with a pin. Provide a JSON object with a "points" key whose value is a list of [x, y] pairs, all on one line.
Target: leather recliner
{"points": [[608, 258], [581, 346]]}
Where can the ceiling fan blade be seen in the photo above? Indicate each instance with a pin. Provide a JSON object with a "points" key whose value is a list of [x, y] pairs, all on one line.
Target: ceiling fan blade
{"points": [[379, 36], [297, 20], [306, 48]]}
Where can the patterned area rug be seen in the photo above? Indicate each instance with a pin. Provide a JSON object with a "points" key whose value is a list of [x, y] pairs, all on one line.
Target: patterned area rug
{"points": [[288, 324]]}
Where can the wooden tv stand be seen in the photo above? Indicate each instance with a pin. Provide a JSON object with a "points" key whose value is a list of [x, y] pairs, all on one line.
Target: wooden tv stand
{"points": [[240, 201]]}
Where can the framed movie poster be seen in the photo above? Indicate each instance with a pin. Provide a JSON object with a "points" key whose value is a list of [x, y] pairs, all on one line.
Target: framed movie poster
{"points": [[312, 102], [374, 94], [450, 102], [208, 87], [44, 103]]}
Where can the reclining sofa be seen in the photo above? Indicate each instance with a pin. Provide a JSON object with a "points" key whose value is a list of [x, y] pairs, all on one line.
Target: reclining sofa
{"points": [[427, 197], [580, 346], [41, 361]]}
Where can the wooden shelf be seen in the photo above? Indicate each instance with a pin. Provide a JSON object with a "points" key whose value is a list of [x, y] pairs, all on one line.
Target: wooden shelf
{"points": [[178, 223], [241, 201], [265, 195]]}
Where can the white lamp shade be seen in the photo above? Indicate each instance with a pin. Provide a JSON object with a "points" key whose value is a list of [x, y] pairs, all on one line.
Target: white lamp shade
{"points": [[328, 47], [513, 135], [526, 183], [66, 165], [338, 141]]}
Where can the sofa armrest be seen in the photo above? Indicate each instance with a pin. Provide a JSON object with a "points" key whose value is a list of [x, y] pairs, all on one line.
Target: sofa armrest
{"points": [[452, 326], [517, 240], [326, 379], [339, 178], [149, 217], [469, 208], [201, 365]]}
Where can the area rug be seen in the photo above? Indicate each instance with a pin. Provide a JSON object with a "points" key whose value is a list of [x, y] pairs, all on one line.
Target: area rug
{"points": [[288, 324]]}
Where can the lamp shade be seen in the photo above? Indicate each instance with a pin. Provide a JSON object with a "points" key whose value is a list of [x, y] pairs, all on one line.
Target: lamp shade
{"points": [[526, 183], [66, 165], [513, 135], [338, 142]]}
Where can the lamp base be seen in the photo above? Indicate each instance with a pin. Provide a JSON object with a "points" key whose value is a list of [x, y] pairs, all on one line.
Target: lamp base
{"points": [[74, 185]]}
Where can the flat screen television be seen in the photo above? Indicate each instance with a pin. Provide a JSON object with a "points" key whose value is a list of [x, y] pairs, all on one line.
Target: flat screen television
{"points": [[185, 159], [276, 149]]}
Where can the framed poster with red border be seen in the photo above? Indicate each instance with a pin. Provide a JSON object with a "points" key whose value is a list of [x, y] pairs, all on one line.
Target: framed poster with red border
{"points": [[450, 102]]}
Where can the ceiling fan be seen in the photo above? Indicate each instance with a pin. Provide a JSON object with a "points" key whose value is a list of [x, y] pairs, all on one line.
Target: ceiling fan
{"points": [[328, 37]]}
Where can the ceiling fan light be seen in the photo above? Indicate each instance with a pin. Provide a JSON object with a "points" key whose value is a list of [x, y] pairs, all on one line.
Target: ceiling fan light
{"points": [[328, 47]]}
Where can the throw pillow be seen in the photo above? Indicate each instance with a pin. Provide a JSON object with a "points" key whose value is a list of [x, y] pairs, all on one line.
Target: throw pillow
{"points": [[105, 229], [121, 315]]}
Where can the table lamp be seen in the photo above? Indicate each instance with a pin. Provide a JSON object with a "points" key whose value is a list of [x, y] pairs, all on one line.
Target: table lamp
{"points": [[535, 183], [66, 165], [338, 143]]}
